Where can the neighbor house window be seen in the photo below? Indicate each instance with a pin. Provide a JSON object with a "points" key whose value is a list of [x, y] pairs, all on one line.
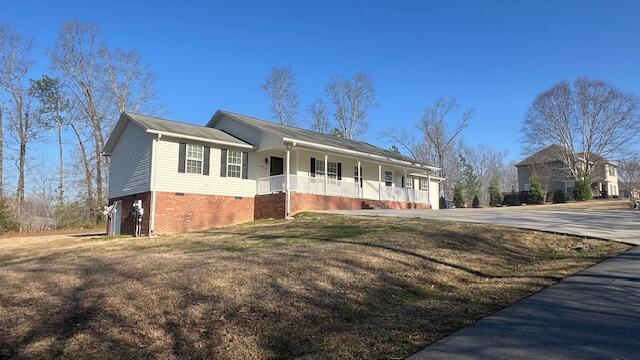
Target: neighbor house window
{"points": [[424, 184], [388, 178], [526, 187], [234, 163], [194, 158]]}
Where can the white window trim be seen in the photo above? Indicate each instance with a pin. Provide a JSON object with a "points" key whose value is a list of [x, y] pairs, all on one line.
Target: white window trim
{"points": [[323, 172], [426, 183], [229, 164], [187, 158], [329, 173]]}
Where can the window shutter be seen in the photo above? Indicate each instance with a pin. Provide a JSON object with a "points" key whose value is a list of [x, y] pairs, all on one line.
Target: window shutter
{"points": [[223, 163], [312, 169], [205, 160], [245, 165], [182, 153], [339, 171], [402, 181]]}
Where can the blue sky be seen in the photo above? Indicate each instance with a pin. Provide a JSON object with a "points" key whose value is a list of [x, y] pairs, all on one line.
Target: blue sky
{"points": [[494, 56]]}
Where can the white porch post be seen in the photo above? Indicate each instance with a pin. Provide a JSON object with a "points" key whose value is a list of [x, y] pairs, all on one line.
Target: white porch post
{"points": [[406, 189], [360, 180], [287, 180], [326, 178], [379, 182], [429, 190]]}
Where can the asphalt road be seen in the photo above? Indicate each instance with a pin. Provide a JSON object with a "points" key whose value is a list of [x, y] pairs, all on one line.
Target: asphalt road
{"points": [[615, 225], [594, 314]]}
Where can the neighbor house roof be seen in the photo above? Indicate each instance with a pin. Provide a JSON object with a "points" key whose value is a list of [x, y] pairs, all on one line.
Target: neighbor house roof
{"points": [[172, 128], [553, 153], [299, 134], [549, 154]]}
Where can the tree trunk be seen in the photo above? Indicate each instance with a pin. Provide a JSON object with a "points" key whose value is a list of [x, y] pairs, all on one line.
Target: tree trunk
{"points": [[22, 157], [1, 155], [87, 167], [61, 171]]}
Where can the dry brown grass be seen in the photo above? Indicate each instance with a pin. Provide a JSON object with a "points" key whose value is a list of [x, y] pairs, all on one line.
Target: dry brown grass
{"points": [[320, 286]]}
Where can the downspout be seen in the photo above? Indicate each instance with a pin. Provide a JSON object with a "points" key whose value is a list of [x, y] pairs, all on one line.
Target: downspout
{"points": [[152, 181]]}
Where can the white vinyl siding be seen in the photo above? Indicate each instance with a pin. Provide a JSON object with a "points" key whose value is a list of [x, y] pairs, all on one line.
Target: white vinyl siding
{"points": [[130, 162], [170, 180]]}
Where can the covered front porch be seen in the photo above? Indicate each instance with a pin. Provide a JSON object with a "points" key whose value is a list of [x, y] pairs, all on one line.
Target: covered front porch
{"points": [[306, 170]]}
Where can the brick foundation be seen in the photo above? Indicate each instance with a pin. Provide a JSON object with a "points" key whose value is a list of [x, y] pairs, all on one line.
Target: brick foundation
{"points": [[304, 202], [270, 206], [176, 212], [127, 222]]}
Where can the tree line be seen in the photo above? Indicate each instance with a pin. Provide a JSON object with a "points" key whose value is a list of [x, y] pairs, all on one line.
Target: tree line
{"points": [[87, 85]]}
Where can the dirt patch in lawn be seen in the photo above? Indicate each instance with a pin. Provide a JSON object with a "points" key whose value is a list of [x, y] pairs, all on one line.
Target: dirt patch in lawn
{"points": [[319, 286]]}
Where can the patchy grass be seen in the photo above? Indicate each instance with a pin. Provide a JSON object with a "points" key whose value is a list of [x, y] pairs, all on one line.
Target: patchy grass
{"points": [[319, 286], [601, 204]]}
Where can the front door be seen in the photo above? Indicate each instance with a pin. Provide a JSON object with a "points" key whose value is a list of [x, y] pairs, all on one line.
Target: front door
{"points": [[276, 167]]}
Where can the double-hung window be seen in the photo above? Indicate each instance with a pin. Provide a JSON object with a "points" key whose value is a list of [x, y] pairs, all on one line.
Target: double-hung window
{"points": [[424, 184], [234, 163], [408, 183], [388, 178], [194, 159], [319, 168], [357, 177], [332, 170]]}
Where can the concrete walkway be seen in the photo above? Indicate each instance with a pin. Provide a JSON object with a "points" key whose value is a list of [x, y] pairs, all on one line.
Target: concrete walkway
{"points": [[594, 314], [615, 225]]}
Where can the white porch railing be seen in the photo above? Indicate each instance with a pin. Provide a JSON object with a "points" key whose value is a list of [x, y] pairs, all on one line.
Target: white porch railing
{"points": [[334, 187], [270, 184]]}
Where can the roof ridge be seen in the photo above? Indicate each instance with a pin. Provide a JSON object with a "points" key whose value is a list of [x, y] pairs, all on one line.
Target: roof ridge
{"points": [[165, 119], [300, 128]]}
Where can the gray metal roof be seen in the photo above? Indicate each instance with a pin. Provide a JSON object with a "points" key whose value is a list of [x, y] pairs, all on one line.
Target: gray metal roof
{"points": [[296, 133], [181, 128]]}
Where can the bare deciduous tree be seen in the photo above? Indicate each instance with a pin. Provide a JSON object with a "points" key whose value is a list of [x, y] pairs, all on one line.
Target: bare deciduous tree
{"points": [[319, 117], [280, 87], [589, 120], [76, 56], [435, 129], [127, 78], [352, 101], [629, 172], [15, 64]]}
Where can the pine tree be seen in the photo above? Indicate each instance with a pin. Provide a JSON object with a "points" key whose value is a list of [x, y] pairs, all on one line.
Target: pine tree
{"points": [[458, 195], [470, 181], [536, 194], [495, 197], [7, 223], [476, 202]]}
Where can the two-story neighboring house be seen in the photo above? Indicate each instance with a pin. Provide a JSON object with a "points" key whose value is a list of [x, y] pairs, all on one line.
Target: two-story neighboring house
{"points": [[555, 174], [238, 168]]}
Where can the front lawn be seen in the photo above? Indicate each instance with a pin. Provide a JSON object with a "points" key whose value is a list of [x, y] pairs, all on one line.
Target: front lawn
{"points": [[319, 286]]}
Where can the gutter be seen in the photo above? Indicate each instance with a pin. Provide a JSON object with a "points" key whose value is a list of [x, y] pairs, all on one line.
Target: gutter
{"points": [[295, 142], [197, 138]]}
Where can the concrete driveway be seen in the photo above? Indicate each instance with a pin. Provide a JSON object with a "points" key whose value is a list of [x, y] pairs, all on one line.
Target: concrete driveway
{"points": [[591, 315], [615, 225]]}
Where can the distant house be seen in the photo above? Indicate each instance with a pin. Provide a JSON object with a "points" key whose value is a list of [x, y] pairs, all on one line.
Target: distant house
{"points": [[554, 172], [233, 170]]}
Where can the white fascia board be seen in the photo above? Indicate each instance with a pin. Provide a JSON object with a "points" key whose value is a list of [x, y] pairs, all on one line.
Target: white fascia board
{"points": [[197, 138], [295, 142]]}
